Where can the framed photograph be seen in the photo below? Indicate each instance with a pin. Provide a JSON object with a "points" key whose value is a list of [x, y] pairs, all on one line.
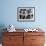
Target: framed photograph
{"points": [[25, 14]]}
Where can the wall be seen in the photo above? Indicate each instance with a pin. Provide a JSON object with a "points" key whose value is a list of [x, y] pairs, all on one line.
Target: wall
{"points": [[9, 13]]}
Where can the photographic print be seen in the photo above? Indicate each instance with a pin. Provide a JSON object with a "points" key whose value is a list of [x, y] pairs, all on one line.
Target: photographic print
{"points": [[26, 14]]}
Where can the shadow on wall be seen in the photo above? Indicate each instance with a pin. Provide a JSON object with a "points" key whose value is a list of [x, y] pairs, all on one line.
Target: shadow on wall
{"points": [[2, 26]]}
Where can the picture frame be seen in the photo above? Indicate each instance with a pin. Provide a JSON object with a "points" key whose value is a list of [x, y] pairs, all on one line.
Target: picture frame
{"points": [[26, 14]]}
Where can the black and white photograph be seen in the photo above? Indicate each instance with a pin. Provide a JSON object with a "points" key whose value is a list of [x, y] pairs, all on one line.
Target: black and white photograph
{"points": [[26, 14]]}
